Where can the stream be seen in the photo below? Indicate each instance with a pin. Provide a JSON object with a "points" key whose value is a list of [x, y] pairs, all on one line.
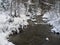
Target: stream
{"points": [[36, 35]]}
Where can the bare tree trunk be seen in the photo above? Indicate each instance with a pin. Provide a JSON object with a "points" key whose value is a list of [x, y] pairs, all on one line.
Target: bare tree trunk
{"points": [[15, 8], [11, 9], [18, 7]]}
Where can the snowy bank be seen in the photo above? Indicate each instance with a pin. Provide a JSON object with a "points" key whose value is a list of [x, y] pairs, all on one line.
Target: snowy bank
{"points": [[52, 17]]}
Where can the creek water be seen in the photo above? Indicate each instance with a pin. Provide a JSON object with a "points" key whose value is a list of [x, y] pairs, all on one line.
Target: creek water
{"points": [[36, 35]]}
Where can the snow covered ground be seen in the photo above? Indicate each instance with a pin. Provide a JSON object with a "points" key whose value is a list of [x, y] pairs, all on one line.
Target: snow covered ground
{"points": [[9, 24], [4, 33], [6, 27], [52, 17]]}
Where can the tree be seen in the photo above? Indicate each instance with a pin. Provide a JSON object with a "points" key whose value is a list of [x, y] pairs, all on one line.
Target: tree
{"points": [[4, 4]]}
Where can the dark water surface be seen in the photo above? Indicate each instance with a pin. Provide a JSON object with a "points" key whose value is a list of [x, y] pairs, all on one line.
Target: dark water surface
{"points": [[36, 35]]}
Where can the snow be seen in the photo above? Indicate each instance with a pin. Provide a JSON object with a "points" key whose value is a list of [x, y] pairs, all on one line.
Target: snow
{"points": [[7, 27], [3, 40], [9, 23], [38, 11], [53, 18], [47, 38], [3, 33], [33, 20]]}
